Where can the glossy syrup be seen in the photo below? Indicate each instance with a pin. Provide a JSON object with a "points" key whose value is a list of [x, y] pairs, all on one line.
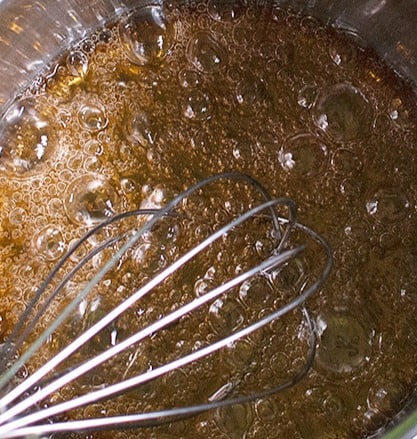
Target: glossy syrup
{"points": [[169, 95]]}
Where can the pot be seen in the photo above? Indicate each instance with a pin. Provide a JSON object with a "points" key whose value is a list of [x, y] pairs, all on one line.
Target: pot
{"points": [[34, 33]]}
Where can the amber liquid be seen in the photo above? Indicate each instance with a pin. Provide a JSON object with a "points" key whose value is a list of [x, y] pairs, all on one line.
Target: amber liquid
{"points": [[167, 96]]}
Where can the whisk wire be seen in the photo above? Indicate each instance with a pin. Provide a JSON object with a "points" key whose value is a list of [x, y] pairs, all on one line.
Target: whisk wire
{"points": [[168, 415], [10, 348], [14, 426], [134, 382]]}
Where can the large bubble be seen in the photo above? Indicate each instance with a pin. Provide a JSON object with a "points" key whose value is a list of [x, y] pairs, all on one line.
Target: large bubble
{"points": [[26, 137], [205, 53], [344, 345], [343, 112], [147, 35], [304, 155], [388, 205], [90, 199]]}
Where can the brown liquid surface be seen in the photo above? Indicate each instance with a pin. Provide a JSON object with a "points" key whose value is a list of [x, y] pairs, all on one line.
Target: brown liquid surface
{"points": [[165, 97]]}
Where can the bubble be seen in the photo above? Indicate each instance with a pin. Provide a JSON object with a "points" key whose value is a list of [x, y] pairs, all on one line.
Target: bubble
{"points": [[389, 240], [203, 286], [205, 53], [77, 63], [92, 117], [197, 106], [388, 205], [26, 138], [342, 52], [240, 354], [384, 395], [225, 316], [266, 410], [149, 257], [346, 161], [303, 155], [399, 113], [64, 118], [147, 35], [189, 78], [50, 243], [408, 290], [334, 405], [250, 92], [225, 10], [88, 46], [343, 112], [139, 130], [306, 96], [344, 344], [105, 36], [267, 50], [94, 148], [256, 293], [90, 199], [234, 420], [128, 185], [17, 216], [357, 231], [280, 363], [154, 198]]}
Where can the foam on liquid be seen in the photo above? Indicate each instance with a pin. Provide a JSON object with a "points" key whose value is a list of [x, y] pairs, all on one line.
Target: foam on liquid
{"points": [[167, 96]]}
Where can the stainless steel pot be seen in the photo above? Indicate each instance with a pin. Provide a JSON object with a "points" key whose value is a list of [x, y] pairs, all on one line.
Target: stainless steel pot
{"points": [[34, 32]]}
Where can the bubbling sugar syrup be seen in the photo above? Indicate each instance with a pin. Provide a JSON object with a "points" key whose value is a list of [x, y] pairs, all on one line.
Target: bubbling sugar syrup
{"points": [[167, 95]]}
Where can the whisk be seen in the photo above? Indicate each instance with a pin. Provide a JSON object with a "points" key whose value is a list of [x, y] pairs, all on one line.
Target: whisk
{"points": [[91, 330]]}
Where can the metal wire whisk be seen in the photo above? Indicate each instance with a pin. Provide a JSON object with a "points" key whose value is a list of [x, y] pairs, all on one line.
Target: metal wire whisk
{"points": [[34, 383]]}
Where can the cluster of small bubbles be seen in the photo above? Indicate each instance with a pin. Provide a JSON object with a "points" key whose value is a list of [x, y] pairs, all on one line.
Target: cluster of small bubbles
{"points": [[90, 199], [206, 53], [304, 155], [147, 35], [26, 137], [343, 112]]}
